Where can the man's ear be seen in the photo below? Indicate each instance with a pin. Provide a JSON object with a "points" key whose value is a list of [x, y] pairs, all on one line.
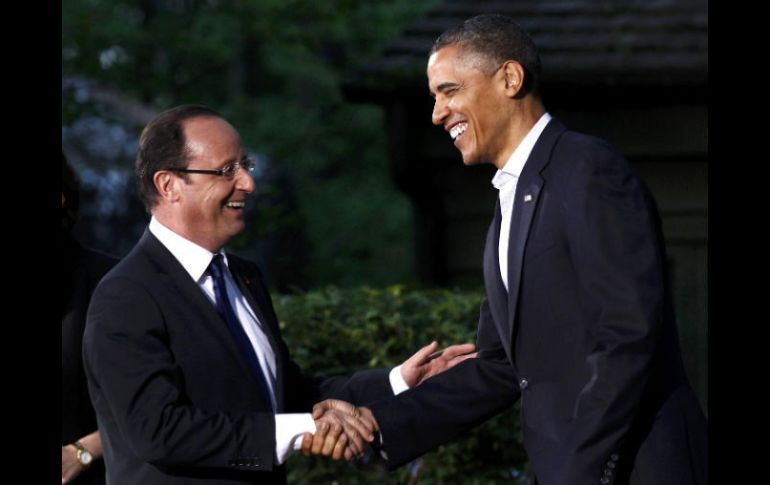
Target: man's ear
{"points": [[513, 74], [167, 185]]}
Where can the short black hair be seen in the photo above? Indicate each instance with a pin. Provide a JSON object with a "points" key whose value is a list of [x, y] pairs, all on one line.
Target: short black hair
{"points": [[496, 38], [162, 145]]}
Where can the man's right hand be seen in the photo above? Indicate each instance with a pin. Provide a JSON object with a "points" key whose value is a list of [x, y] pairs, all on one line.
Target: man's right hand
{"points": [[341, 430]]}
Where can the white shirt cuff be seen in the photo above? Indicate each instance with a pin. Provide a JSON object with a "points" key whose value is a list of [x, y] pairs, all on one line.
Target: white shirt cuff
{"points": [[397, 382], [288, 433]]}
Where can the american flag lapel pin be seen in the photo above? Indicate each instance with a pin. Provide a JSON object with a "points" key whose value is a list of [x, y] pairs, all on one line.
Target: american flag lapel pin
{"points": [[528, 198]]}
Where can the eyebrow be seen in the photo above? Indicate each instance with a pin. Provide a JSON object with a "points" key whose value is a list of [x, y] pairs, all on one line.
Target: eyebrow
{"points": [[443, 87]]}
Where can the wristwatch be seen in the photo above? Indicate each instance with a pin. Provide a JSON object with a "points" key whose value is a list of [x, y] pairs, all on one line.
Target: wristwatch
{"points": [[84, 456]]}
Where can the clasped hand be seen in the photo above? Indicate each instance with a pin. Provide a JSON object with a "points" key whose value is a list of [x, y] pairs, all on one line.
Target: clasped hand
{"points": [[342, 430]]}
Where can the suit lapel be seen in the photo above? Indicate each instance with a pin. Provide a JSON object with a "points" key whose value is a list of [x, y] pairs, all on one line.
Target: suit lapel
{"points": [[521, 221], [528, 190], [496, 295], [168, 266]]}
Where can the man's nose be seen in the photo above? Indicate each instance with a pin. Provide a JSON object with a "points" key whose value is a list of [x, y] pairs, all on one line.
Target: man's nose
{"points": [[244, 181], [440, 112]]}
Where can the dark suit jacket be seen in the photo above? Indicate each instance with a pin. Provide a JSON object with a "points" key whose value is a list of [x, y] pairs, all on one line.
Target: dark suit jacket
{"points": [[81, 269], [175, 400], [585, 336]]}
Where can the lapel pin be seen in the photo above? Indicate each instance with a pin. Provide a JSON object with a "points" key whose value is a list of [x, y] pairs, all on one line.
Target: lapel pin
{"points": [[528, 198]]}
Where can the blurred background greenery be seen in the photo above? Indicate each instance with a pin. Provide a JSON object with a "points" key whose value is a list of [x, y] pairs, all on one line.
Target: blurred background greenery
{"points": [[325, 210]]}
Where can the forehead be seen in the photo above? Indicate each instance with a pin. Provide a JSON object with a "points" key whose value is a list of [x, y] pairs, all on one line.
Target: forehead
{"points": [[211, 137], [209, 128], [450, 64]]}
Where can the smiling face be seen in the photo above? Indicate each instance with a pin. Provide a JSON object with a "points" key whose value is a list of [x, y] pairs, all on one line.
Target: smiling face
{"points": [[471, 106], [209, 209]]}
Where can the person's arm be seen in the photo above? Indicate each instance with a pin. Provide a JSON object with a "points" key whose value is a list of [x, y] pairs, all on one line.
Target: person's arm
{"points": [[610, 226], [70, 465], [361, 387], [422, 365], [132, 371], [442, 407]]}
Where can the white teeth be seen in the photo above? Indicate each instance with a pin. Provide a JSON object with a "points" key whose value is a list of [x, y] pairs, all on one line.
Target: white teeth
{"points": [[236, 205], [458, 130]]}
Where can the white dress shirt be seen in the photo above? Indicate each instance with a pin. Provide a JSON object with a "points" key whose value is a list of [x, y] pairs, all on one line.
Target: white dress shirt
{"points": [[505, 182], [195, 259]]}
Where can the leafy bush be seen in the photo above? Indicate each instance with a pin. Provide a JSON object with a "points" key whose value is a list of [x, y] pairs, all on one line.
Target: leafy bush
{"points": [[335, 331]]}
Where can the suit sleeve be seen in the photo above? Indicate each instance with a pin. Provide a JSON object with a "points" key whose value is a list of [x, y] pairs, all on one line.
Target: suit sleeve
{"points": [[127, 359], [443, 407], [360, 388], [611, 229]]}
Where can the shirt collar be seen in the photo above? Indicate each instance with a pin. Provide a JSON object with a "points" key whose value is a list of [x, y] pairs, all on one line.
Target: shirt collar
{"points": [[193, 258], [515, 163]]}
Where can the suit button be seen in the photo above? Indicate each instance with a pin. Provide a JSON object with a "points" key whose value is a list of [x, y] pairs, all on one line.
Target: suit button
{"points": [[608, 472], [604, 481], [614, 457], [523, 384], [610, 464]]}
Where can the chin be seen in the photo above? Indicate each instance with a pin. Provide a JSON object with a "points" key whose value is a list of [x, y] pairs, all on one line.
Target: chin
{"points": [[233, 230], [468, 161]]}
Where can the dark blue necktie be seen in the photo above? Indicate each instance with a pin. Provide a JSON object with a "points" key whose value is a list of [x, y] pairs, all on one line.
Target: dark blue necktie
{"points": [[234, 324]]}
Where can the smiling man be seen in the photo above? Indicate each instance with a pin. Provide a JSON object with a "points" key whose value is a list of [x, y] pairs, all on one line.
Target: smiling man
{"points": [[577, 319], [188, 373]]}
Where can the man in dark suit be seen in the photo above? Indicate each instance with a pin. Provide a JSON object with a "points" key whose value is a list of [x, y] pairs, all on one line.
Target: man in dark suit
{"points": [[187, 370], [577, 319]]}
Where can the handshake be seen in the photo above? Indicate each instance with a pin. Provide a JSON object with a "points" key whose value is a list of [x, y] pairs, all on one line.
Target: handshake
{"points": [[343, 430]]}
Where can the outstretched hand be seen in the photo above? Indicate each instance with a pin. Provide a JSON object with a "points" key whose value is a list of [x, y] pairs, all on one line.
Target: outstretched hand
{"points": [[426, 362]]}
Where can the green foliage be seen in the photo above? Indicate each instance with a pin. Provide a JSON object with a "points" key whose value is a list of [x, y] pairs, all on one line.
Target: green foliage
{"points": [[337, 331], [275, 69]]}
